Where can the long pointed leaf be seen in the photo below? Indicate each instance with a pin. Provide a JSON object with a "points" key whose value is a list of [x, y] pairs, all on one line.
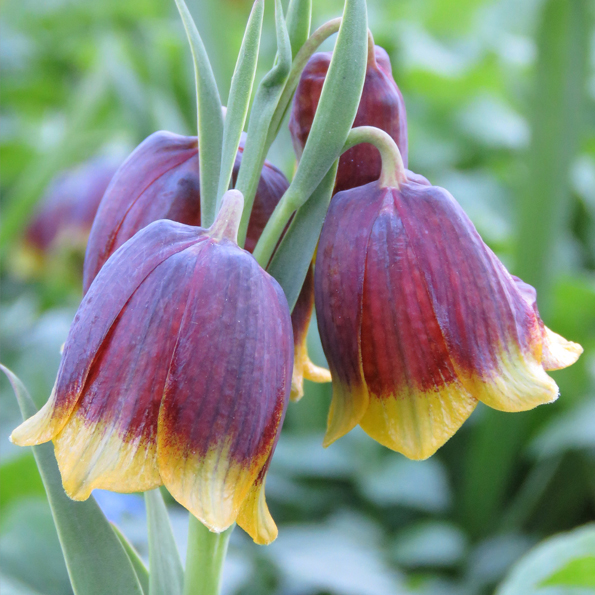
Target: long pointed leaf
{"points": [[334, 117], [239, 95], [299, 20], [210, 119], [265, 102], [142, 574], [167, 574], [96, 560], [292, 259]]}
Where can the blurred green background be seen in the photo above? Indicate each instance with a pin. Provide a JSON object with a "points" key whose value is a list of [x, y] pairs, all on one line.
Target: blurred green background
{"points": [[500, 97]]}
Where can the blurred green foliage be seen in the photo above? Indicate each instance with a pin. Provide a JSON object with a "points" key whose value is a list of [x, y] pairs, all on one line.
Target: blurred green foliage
{"points": [[501, 104]]}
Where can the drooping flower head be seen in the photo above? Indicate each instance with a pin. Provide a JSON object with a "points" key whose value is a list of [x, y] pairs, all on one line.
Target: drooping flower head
{"points": [[176, 371], [64, 216], [381, 105], [160, 180], [419, 320]]}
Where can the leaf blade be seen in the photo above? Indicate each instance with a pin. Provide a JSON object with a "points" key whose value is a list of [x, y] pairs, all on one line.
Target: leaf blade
{"points": [[95, 559]]}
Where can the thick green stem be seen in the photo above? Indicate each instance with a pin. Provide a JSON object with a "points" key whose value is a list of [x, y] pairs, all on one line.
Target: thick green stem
{"points": [[392, 176], [204, 559]]}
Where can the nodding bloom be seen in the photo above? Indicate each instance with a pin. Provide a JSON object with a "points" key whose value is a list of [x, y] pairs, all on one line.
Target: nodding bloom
{"points": [[160, 180], [65, 214], [300, 319], [381, 105], [176, 371], [419, 320]]}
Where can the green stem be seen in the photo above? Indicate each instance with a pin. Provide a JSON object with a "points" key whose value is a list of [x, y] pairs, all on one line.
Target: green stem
{"points": [[308, 49], [204, 559], [392, 176]]}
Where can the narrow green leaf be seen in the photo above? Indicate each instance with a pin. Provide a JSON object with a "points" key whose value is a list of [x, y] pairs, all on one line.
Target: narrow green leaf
{"points": [[210, 119], [167, 574], [299, 20], [96, 560], [139, 566], [265, 102], [239, 95], [290, 264], [579, 572], [334, 117]]}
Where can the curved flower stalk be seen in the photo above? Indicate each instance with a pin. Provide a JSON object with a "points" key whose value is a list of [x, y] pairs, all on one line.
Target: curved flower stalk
{"points": [[419, 320], [160, 180], [176, 371], [381, 105]]}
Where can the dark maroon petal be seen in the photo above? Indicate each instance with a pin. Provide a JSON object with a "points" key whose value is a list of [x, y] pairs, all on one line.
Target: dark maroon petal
{"points": [[159, 173], [112, 289], [228, 385], [381, 105], [339, 282]]}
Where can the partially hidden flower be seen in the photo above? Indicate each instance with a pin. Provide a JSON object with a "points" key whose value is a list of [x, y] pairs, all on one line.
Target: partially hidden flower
{"points": [[176, 371], [303, 367], [419, 320], [160, 180], [65, 213], [381, 105]]}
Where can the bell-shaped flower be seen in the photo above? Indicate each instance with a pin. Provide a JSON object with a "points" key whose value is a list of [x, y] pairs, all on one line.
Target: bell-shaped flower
{"points": [[160, 180], [63, 218], [381, 105], [176, 371], [419, 320], [303, 367]]}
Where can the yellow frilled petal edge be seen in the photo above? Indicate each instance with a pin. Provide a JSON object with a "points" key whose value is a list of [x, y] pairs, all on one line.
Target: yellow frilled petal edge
{"points": [[348, 406], [254, 516], [42, 426], [93, 455], [304, 368], [418, 423], [213, 487], [520, 383], [558, 352]]}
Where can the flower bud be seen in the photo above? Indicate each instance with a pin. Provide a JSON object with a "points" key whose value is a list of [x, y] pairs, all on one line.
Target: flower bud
{"points": [[160, 180], [419, 320], [381, 105], [176, 371]]}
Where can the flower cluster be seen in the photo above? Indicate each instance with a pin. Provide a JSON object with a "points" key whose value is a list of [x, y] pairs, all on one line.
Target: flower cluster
{"points": [[183, 354]]}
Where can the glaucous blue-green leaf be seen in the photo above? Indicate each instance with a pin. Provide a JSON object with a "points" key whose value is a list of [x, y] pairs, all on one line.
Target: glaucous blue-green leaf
{"points": [[299, 19], [265, 102], [292, 259], [139, 566], [96, 560], [239, 95], [334, 117], [167, 574], [555, 564], [210, 119]]}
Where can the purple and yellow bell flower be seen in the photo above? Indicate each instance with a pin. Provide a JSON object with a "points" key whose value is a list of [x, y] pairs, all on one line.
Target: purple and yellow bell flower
{"points": [[381, 105], [303, 367], [160, 180], [176, 371], [419, 320]]}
